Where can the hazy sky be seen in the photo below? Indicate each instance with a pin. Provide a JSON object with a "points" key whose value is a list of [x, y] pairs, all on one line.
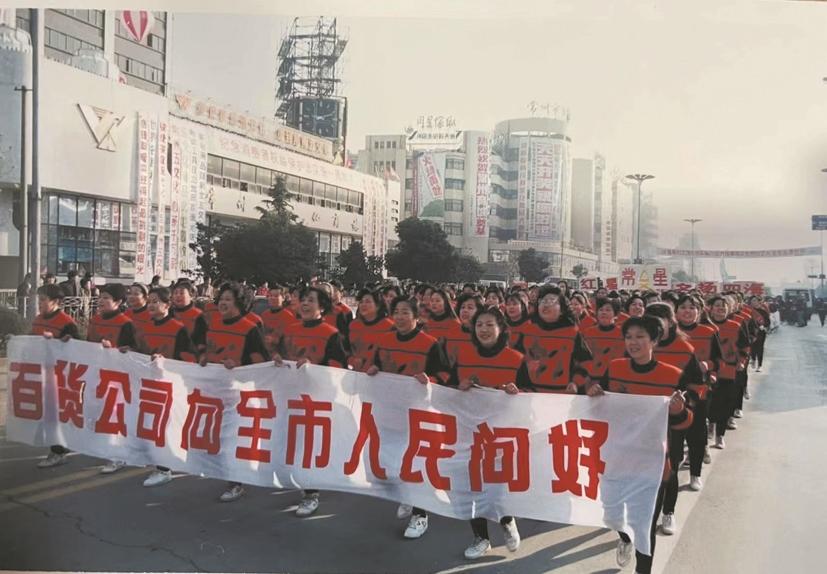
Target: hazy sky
{"points": [[723, 102]]}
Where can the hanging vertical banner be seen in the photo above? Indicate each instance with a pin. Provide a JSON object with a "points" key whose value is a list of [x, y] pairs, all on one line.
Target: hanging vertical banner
{"points": [[140, 215], [163, 197], [543, 192], [201, 181], [523, 175], [482, 189], [431, 185], [175, 207]]}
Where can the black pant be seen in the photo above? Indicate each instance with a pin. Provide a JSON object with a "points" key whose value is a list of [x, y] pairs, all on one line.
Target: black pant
{"points": [[722, 404], [696, 438], [757, 353], [643, 563], [670, 495], [59, 449], [419, 512], [740, 388], [480, 525], [821, 316]]}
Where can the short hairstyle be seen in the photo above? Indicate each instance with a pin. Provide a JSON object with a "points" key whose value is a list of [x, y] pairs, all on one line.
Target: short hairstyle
{"points": [[446, 300], [276, 287], [115, 290], [381, 309], [142, 287], [237, 291], [652, 325], [407, 301], [632, 298], [163, 293], [614, 303], [51, 291], [661, 311], [185, 284], [498, 317], [321, 296], [475, 297]]}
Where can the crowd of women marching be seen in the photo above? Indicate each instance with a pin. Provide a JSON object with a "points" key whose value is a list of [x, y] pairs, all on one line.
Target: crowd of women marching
{"points": [[539, 338]]}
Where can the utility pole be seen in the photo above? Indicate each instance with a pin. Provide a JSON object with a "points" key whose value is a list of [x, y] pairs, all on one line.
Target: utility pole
{"points": [[692, 222], [34, 190], [24, 199], [639, 178]]}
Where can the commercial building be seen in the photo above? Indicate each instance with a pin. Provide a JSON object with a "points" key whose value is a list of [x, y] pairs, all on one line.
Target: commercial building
{"points": [[131, 164]]}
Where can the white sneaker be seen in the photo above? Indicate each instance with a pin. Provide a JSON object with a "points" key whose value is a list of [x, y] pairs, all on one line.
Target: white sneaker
{"points": [[233, 493], [731, 424], [695, 483], [707, 455], [738, 414], [719, 443], [478, 548], [52, 459], [112, 466], [625, 551], [667, 526], [158, 478], [308, 505], [417, 526], [512, 535], [404, 511]]}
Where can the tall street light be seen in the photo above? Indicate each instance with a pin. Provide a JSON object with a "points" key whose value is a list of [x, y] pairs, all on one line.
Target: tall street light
{"points": [[692, 221], [639, 178]]}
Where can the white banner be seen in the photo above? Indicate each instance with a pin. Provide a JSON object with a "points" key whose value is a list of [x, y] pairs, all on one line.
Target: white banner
{"points": [[482, 189], [163, 198], [140, 215], [430, 181], [559, 458]]}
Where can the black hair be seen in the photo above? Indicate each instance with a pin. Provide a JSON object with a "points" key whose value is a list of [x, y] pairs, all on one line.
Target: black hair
{"points": [[336, 283], [381, 309], [496, 291], [565, 310], [631, 298], [115, 290], [238, 292], [142, 287], [613, 303], [410, 302], [652, 325], [498, 317], [670, 297], [276, 286], [517, 296], [449, 310], [185, 284], [163, 293], [51, 291], [325, 304], [649, 295], [475, 297]]}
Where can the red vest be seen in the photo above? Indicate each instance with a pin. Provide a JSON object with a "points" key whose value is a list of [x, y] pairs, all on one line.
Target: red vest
{"points": [[678, 353], [548, 356], [363, 341], [254, 319], [161, 338], [140, 320], [55, 325], [404, 357], [301, 342], [730, 354], [586, 321], [445, 329], [227, 341], [605, 346], [110, 329], [455, 340], [493, 371], [661, 381], [275, 324], [515, 333], [190, 315]]}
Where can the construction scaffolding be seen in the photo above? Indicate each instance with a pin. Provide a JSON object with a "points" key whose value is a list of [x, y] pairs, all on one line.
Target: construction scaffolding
{"points": [[309, 64]]}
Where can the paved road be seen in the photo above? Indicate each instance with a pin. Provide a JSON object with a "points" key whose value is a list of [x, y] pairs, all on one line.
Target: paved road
{"points": [[761, 505]]}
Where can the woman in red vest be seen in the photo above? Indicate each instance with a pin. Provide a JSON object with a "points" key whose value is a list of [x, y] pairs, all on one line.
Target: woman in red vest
{"points": [[196, 321], [410, 351], [489, 362], [276, 318], [370, 324], [554, 348], [53, 322], [643, 374], [580, 309], [517, 317], [605, 339], [313, 341], [734, 343], [136, 310], [468, 305], [166, 337], [233, 341], [443, 323]]}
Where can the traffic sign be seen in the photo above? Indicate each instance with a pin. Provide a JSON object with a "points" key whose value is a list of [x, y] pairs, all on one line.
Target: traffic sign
{"points": [[819, 222]]}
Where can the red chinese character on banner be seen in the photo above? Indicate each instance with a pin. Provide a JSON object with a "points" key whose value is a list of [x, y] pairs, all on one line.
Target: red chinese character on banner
{"points": [[589, 283], [682, 287], [708, 287], [428, 443], [26, 390], [368, 431], [109, 388], [70, 392], [154, 400], [611, 283], [255, 432], [567, 457], [210, 410], [309, 420], [660, 278], [510, 446], [628, 277], [756, 289]]}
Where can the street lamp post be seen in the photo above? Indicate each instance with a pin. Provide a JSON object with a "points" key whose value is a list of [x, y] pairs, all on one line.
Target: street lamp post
{"points": [[692, 221], [639, 178]]}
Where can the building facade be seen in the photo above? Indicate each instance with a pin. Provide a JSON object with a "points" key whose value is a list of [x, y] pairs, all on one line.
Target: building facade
{"points": [[131, 165]]}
